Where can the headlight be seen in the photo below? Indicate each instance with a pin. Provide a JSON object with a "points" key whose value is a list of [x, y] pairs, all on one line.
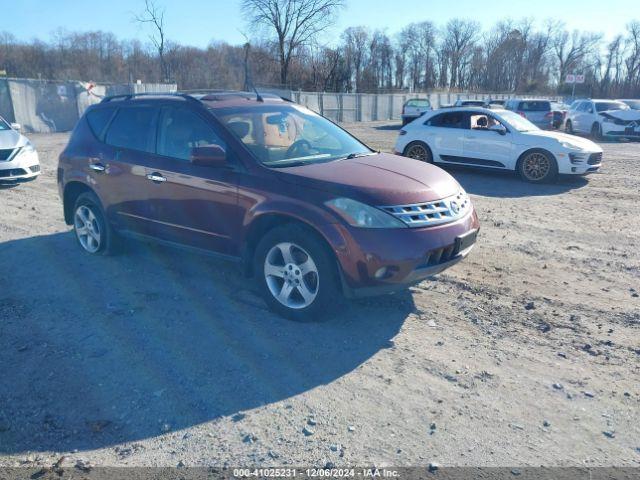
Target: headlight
{"points": [[364, 216], [26, 148], [569, 145], [609, 120]]}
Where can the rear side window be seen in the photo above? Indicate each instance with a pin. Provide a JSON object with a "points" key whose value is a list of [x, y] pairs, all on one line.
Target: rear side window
{"points": [[134, 128], [535, 106], [181, 130], [450, 120], [98, 120]]}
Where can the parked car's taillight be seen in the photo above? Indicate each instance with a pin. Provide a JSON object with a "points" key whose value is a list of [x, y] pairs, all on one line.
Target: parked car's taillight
{"points": [[549, 115]]}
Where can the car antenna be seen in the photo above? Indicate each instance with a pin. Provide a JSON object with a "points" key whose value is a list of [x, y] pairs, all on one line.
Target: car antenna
{"points": [[258, 96]]}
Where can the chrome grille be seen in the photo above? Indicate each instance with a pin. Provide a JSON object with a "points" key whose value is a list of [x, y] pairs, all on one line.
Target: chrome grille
{"points": [[432, 213]]}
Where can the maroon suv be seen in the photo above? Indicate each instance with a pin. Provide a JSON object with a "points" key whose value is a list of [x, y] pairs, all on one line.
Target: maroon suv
{"points": [[309, 210]]}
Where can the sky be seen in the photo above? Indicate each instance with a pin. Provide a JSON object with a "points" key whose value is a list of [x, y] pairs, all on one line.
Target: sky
{"points": [[198, 22]]}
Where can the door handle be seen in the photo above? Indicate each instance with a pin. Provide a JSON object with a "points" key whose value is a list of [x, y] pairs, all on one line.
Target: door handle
{"points": [[156, 177], [97, 167]]}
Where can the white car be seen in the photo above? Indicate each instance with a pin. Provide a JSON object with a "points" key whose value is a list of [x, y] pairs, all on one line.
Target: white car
{"points": [[18, 158], [497, 139], [603, 118]]}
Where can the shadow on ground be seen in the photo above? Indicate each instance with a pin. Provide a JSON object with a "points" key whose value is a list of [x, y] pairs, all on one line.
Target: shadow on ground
{"points": [[103, 350], [509, 185], [388, 126]]}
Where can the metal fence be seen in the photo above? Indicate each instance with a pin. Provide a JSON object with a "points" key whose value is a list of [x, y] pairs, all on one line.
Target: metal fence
{"points": [[44, 106], [367, 107]]}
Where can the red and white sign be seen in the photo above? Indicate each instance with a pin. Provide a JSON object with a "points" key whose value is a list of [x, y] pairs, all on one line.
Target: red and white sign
{"points": [[572, 78]]}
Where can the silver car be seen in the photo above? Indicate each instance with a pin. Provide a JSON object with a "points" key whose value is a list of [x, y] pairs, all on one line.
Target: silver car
{"points": [[537, 111]]}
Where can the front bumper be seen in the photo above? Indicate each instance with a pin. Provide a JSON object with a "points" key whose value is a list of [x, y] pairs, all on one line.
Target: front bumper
{"points": [[408, 256], [579, 163], [20, 169], [620, 131]]}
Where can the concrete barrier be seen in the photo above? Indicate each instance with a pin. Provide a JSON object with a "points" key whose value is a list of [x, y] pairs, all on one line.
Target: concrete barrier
{"points": [[44, 106]]}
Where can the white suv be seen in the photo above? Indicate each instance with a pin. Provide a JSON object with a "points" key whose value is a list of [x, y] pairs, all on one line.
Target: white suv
{"points": [[603, 118], [499, 140]]}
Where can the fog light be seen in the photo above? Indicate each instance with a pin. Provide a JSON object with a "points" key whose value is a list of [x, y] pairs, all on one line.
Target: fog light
{"points": [[573, 169], [381, 273]]}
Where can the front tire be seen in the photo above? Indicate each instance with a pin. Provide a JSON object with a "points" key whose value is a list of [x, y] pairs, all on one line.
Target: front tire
{"points": [[537, 166], [296, 274], [92, 231], [568, 127], [596, 131], [418, 151]]}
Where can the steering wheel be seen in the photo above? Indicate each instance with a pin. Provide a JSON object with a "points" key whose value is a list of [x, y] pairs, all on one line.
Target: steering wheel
{"points": [[299, 148]]}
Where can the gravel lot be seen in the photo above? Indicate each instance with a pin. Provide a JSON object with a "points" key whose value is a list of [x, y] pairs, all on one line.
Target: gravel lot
{"points": [[527, 353]]}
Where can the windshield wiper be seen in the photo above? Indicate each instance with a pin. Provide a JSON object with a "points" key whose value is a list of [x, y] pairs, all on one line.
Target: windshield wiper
{"points": [[362, 154], [286, 164]]}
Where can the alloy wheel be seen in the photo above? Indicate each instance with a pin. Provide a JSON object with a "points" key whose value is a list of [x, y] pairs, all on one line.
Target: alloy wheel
{"points": [[87, 229], [291, 275], [418, 152], [536, 166]]}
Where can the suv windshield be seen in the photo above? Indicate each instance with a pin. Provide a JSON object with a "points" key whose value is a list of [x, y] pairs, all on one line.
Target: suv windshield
{"points": [[286, 135], [517, 122], [604, 106]]}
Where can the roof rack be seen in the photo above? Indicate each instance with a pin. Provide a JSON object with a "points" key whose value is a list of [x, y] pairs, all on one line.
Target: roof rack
{"points": [[129, 96]]}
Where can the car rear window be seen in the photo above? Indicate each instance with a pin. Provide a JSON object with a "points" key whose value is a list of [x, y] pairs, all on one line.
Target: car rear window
{"points": [[535, 106], [419, 102], [98, 120], [134, 128]]}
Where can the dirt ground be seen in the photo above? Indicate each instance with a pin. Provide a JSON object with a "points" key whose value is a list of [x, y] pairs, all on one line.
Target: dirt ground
{"points": [[525, 354]]}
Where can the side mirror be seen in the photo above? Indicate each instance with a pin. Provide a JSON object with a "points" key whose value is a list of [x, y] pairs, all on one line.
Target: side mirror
{"points": [[209, 156], [16, 126], [498, 129]]}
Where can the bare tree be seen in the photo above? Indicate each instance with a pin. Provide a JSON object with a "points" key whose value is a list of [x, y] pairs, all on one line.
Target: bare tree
{"points": [[573, 49], [294, 22], [154, 15]]}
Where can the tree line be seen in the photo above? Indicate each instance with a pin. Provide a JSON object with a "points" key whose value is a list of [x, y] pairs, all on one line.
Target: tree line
{"points": [[519, 56]]}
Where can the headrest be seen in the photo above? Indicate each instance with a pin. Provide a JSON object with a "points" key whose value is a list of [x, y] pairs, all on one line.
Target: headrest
{"points": [[239, 128]]}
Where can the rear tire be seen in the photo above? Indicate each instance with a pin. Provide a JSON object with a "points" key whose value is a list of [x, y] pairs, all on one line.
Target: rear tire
{"points": [[419, 151], [296, 274], [93, 233], [537, 166]]}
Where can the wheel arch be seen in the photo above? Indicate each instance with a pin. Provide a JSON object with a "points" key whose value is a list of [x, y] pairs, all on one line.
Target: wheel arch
{"points": [[266, 222], [72, 191]]}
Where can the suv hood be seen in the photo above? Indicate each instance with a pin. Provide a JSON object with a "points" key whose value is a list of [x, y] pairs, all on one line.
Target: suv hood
{"points": [[562, 137], [380, 179], [9, 139]]}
